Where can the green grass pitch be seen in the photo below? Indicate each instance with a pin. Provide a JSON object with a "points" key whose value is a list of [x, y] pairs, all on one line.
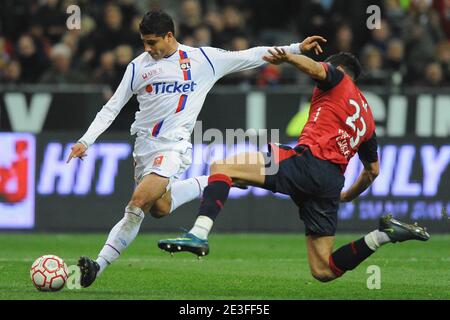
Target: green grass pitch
{"points": [[240, 266]]}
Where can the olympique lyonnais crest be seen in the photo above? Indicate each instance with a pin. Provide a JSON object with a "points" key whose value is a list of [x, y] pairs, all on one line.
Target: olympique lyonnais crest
{"points": [[185, 64]]}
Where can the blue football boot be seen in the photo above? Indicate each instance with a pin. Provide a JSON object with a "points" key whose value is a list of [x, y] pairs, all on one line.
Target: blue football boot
{"points": [[187, 242]]}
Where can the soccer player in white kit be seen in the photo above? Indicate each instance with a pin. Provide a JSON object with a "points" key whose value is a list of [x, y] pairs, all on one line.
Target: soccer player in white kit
{"points": [[171, 82]]}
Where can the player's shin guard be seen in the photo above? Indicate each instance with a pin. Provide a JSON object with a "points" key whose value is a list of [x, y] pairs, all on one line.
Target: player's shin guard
{"points": [[121, 236], [214, 197], [348, 257]]}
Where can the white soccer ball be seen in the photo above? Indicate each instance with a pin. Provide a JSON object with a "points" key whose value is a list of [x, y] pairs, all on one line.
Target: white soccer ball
{"points": [[49, 273]]}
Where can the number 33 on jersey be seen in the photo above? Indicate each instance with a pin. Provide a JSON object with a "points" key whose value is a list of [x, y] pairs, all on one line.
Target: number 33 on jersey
{"points": [[340, 121]]}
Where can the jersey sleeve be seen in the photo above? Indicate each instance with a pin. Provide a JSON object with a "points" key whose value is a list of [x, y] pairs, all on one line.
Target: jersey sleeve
{"points": [[368, 150], [334, 76], [225, 62], [111, 109]]}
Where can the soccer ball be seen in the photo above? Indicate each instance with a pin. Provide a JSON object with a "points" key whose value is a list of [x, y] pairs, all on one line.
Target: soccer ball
{"points": [[49, 273]]}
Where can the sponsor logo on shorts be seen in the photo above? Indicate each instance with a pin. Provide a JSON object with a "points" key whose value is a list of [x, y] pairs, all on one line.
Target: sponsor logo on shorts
{"points": [[158, 161]]}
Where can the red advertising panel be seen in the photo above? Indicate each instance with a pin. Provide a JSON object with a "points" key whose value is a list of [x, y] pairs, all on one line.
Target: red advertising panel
{"points": [[17, 168]]}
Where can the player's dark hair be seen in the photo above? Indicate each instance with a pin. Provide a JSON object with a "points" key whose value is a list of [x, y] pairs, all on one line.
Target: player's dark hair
{"points": [[156, 22], [347, 61]]}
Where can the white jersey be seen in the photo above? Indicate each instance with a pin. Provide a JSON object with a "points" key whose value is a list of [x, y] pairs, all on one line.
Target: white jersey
{"points": [[171, 91]]}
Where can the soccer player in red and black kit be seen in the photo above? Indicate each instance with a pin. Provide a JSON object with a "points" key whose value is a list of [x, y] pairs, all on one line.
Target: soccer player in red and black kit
{"points": [[340, 124]]}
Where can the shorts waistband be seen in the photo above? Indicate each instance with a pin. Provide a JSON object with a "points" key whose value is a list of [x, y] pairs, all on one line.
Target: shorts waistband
{"points": [[301, 148]]}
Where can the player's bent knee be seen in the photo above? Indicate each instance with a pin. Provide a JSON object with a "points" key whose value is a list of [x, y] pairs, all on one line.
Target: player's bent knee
{"points": [[322, 275], [159, 211]]}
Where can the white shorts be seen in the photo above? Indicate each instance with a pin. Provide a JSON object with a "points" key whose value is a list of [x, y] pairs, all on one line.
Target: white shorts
{"points": [[166, 158]]}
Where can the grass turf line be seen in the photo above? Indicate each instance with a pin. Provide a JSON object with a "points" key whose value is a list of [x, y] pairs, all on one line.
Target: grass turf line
{"points": [[240, 266]]}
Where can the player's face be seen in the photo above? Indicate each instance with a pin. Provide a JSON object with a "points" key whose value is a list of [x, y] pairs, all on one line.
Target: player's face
{"points": [[157, 46]]}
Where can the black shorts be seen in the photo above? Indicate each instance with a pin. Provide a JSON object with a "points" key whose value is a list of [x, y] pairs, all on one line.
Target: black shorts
{"points": [[315, 186]]}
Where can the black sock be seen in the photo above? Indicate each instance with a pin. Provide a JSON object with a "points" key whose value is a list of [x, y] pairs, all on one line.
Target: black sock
{"points": [[348, 257], [215, 195]]}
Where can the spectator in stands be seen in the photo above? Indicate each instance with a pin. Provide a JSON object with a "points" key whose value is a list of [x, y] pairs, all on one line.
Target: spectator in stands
{"points": [[380, 37], [123, 55], [128, 10], [86, 49], [233, 25], [433, 75], [33, 63], [395, 54], [112, 33], [41, 41], [4, 56], [343, 40], [202, 36], [53, 19], [215, 21], [60, 72], [135, 41], [12, 73], [443, 58], [422, 31], [442, 7], [189, 41], [417, 29], [269, 20], [191, 17], [316, 17], [106, 72], [270, 75], [373, 72], [395, 16], [395, 61], [71, 39]]}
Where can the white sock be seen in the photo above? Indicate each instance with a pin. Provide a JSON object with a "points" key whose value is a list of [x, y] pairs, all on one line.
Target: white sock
{"points": [[376, 239], [187, 190], [202, 227], [120, 237]]}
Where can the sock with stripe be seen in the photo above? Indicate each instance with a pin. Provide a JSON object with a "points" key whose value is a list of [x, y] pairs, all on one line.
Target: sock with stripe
{"points": [[349, 256], [120, 237], [214, 197]]}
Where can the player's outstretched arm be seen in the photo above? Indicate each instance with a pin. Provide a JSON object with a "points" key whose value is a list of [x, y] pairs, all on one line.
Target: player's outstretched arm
{"points": [[225, 62], [307, 65], [365, 179]]}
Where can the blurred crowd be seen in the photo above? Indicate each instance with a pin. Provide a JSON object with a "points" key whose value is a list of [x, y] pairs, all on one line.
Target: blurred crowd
{"points": [[411, 47]]}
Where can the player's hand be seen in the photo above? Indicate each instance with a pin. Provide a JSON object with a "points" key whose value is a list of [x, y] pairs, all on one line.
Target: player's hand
{"points": [[277, 56], [78, 151], [312, 43]]}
